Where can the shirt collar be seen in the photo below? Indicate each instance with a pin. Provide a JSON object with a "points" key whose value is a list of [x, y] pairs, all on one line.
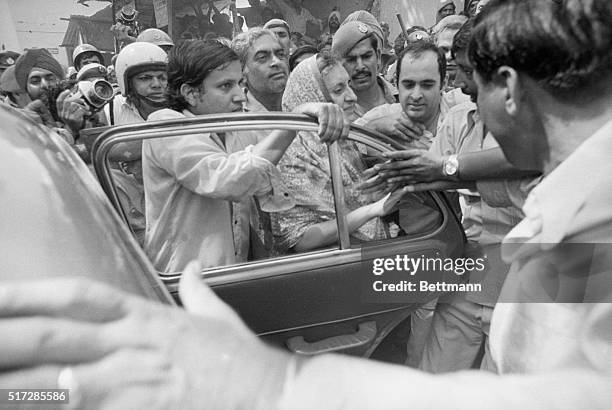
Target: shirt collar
{"points": [[252, 104], [551, 206]]}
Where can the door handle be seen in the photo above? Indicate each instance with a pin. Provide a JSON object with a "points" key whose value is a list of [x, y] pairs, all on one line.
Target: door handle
{"points": [[364, 335]]}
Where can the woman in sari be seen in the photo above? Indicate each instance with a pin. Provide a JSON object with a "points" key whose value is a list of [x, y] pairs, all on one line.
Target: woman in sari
{"points": [[311, 224]]}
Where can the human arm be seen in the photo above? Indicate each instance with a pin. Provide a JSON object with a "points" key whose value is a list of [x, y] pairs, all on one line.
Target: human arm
{"points": [[201, 165], [120, 32], [415, 166], [489, 164], [332, 126], [325, 233]]}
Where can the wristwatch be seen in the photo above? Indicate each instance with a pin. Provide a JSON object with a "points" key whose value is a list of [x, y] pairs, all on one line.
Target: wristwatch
{"points": [[450, 166]]}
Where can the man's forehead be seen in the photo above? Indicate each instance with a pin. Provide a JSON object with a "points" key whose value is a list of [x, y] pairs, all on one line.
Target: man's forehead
{"points": [[226, 72], [278, 30], [153, 73], [40, 72], [264, 43], [424, 65], [362, 47]]}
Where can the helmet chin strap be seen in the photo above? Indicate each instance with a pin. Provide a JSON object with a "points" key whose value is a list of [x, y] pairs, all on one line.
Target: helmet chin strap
{"points": [[145, 105], [155, 103]]}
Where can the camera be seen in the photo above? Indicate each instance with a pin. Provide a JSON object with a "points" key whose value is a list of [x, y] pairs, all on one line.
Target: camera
{"points": [[127, 17], [94, 93]]}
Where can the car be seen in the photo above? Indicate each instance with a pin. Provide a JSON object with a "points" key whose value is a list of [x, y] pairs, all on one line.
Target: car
{"points": [[64, 222]]}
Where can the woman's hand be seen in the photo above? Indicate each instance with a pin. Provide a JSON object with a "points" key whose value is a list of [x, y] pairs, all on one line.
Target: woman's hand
{"points": [[388, 203], [332, 122]]}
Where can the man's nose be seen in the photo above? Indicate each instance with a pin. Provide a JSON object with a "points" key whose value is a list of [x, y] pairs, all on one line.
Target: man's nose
{"points": [[275, 60], [158, 83], [360, 63], [416, 93], [351, 96], [238, 95]]}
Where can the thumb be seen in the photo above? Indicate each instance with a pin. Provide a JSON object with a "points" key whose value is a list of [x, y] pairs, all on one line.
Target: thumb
{"points": [[199, 299]]}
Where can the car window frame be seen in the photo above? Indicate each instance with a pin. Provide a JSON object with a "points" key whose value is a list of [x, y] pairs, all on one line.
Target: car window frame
{"points": [[104, 144]]}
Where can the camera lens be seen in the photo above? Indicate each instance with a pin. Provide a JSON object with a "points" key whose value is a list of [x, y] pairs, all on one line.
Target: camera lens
{"points": [[96, 93]]}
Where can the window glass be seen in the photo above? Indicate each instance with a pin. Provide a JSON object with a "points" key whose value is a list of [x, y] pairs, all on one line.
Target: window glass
{"points": [[310, 224], [411, 215], [209, 197]]}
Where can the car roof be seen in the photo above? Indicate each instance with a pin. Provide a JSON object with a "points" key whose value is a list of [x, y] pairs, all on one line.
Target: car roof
{"points": [[55, 219]]}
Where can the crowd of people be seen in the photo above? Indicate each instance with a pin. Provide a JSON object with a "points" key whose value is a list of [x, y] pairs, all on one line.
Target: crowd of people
{"points": [[517, 140]]}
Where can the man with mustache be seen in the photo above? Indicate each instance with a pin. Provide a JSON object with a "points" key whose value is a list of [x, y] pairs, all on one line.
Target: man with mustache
{"points": [[359, 45], [264, 68]]}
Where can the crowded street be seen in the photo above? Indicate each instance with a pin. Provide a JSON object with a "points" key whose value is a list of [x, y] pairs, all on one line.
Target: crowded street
{"points": [[363, 204]]}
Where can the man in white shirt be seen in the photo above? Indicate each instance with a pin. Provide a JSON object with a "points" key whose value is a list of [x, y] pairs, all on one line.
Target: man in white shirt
{"points": [[191, 181], [265, 68]]}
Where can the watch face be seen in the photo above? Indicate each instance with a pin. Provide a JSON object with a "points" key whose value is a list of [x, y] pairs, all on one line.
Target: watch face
{"points": [[451, 166]]}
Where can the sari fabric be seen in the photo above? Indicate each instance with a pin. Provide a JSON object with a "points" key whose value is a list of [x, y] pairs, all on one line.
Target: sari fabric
{"points": [[306, 171]]}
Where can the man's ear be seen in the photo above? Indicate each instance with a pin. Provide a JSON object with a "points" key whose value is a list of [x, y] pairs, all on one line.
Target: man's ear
{"points": [[509, 79], [190, 94]]}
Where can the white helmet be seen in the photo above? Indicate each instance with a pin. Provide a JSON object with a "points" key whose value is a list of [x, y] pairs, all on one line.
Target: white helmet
{"points": [[135, 58], [91, 70], [80, 50], [155, 36]]}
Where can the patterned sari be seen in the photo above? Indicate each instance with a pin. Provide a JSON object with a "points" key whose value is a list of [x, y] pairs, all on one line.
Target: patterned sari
{"points": [[306, 171]]}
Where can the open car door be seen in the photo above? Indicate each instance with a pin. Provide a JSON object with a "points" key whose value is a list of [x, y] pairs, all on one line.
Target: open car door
{"points": [[321, 300]]}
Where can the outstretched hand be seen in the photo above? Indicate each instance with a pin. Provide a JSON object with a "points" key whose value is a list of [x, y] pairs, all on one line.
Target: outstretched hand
{"points": [[389, 203], [409, 166], [125, 352]]}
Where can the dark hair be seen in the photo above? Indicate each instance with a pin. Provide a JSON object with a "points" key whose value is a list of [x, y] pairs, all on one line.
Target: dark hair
{"points": [[190, 63], [326, 59], [461, 41], [563, 45], [300, 51], [417, 49]]}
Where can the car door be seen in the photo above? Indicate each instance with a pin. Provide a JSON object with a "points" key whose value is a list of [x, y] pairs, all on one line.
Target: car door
{"points": [[321, 300]]}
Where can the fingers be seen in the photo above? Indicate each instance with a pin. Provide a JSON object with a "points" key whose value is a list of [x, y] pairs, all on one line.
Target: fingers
{"points": [[36, 340], [77, 299], [332, 124], [407, 132], [199, 299], [434, 186], [42, 377], [405, 154], [323, 117], [62, 97], [372, 185]]}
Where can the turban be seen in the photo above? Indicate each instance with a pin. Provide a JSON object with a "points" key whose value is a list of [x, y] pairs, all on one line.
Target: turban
{"points": [[36, 58]]}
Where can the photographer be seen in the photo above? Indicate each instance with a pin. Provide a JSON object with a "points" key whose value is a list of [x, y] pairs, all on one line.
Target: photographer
{"points": [[86, 54], [65, 106]]}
